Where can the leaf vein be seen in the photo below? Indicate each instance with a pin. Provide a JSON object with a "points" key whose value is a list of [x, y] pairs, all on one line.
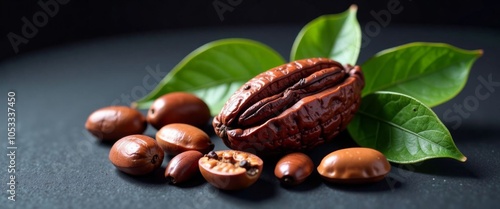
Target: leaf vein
{"points": [[381, 120]]}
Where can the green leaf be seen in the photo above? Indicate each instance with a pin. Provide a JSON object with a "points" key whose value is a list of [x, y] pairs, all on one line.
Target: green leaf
{"points": [[402, 128], [215, 70], [336, 36], [433, 73]]}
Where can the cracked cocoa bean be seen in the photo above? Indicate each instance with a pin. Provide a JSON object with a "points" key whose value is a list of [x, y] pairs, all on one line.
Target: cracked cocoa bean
{"points": [[230, 169]]}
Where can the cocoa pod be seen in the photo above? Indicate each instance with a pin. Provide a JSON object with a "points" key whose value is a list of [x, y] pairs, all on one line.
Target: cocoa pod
{"points": [[292, 107]]}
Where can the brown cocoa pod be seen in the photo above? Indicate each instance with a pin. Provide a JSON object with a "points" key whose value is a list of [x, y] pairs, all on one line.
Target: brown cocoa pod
{"points": [[292, 107]]}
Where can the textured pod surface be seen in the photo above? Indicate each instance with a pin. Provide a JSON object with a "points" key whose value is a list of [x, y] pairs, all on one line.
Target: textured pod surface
{"points": [[294, 168], [354, 165], [292, 107]]}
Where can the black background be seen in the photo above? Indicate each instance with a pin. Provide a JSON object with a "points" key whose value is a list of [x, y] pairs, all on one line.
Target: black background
{"points": [[79, 20], [92, 53]]}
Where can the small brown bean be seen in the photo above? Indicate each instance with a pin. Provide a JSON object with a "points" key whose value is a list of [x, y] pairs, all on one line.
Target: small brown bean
{"points": [[178, 137], [183, 167], [136, 154], [231, 169], [114, 122], [178, 107], [294, 168], [354, 165]]}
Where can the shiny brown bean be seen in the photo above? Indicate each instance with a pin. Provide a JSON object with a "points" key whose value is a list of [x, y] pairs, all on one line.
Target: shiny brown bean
{"points": [[183, 167], [178, 137], [114, 122], [354, 166], [178, 107], [294, 168], [230, 169], [136, 154]]}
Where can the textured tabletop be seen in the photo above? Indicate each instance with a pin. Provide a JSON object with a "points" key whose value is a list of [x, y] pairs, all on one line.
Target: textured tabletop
{"points": [[60, 165]]}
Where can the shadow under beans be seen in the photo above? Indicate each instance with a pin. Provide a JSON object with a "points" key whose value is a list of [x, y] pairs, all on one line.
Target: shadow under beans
{"points": [[312, 182], [208, 128], [261, 190], [387, 184], [154, 178], [195, 181], [441, 167], [107, 144]]}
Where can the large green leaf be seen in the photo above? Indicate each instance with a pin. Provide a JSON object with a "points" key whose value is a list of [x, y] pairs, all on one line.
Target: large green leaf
{"points": [[433, 73], [215, 70], [336, 36], [402, 128]]}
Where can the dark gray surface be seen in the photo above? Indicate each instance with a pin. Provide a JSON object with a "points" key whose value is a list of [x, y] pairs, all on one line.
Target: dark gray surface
{"points": [[59, 165]]}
